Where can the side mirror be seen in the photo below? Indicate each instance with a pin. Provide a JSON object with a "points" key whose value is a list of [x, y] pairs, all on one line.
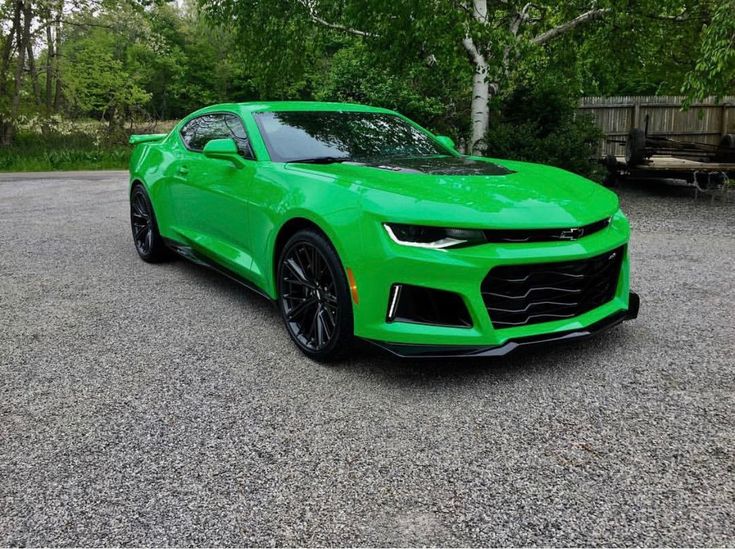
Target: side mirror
{"points": [[447, 142], [224, 149]]}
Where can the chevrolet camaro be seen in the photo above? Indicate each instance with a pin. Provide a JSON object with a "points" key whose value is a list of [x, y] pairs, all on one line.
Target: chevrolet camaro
{"points": [[359, 223]]}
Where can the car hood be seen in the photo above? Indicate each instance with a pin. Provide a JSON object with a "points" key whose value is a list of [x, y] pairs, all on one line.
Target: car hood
{"points": [[472, 192]]}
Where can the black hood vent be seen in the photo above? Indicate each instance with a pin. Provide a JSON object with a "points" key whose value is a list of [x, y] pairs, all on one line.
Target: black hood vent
{"points": [[441, 165]]}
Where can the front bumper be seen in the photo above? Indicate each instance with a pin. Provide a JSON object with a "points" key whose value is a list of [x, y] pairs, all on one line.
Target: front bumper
{"points": [[383, 263], [454, 351]]}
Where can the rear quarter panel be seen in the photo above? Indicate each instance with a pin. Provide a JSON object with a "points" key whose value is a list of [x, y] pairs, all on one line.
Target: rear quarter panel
{"points": [[153, 165]]}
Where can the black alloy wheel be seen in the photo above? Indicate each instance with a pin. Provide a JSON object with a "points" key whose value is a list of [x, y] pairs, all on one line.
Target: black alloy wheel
{"points": [[313, 296], [148, 241]]}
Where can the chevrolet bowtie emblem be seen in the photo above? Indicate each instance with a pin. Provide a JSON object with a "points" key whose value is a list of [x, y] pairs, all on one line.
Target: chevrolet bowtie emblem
{"points": [[571, 234]]}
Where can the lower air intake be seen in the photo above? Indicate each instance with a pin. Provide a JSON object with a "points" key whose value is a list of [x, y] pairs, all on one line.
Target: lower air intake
{"points": [[519, 295], [421, 305]]}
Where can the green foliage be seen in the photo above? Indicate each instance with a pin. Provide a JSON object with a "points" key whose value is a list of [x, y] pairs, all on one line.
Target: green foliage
{"points": [[124, 62], [101, 78], [714, 72], [275, 41], [643, 48], [193, 64], [355, 74], [99, 83], [540, 124]]}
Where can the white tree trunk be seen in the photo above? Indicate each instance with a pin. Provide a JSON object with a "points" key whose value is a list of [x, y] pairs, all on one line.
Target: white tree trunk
{"points": [[480, 109]]}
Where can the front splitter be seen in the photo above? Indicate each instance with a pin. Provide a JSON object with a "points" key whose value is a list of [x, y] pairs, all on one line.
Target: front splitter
{"points": [[405, 350]]}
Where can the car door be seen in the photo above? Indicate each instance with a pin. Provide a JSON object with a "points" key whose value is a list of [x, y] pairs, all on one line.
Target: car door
{"points": [[211, 195]]}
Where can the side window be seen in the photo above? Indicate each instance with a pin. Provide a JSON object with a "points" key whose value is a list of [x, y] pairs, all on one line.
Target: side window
{"points": [[188, 132], [237, 132], [196, 133], [201, 130]]}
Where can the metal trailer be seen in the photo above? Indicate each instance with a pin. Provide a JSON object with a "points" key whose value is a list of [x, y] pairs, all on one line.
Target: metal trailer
{"points": [[708, 168]]}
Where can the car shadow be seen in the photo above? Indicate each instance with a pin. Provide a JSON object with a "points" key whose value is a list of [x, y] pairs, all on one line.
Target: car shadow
{"points": [[378, 365], [659, 187], [669, 188], [201, 274], [559, 359]]}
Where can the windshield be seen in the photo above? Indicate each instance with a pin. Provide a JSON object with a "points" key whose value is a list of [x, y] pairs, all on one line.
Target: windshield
{"points": [[293, 136]]}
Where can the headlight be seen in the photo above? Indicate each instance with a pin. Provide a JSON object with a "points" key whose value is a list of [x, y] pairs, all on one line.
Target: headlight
{"points": [[422, 236]]}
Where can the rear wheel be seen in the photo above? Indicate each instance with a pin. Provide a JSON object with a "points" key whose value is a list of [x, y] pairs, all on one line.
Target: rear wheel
{"points": [[148, 241], [314, 297]]}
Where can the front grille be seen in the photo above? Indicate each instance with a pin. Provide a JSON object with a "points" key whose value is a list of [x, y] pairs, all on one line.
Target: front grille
{"points": [[517, 295], [544, 235]]}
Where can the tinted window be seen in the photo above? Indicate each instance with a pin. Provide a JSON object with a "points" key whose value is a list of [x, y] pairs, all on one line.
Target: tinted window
{"points": [[299, 135], [201, 130]]}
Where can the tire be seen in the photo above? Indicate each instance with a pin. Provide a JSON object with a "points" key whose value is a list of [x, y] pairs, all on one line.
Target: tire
{"points": [[727, 142], [610, 181], [635, 147], [726, 149], [148, 241], [314, 297]]}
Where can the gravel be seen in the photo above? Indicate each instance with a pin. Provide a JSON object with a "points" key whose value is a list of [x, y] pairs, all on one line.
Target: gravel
{"points": [[165, 405]]}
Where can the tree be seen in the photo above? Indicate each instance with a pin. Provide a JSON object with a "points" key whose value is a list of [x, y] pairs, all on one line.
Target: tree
{"points": [[18, 41], [490, 35], [518, 27], [714, 72]]}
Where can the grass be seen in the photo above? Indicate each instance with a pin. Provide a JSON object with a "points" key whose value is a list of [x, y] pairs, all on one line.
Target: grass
{"points": [[35, 152], [79, 149]]}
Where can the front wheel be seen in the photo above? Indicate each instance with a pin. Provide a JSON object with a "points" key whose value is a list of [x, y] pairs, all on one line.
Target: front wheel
{"points": [[314, 298]]}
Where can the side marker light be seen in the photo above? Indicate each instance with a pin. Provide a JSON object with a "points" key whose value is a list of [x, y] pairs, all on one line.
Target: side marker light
{"points": [[353, 286]]}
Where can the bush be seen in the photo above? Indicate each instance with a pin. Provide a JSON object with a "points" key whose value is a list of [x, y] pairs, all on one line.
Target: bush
{"points": [[33, 151], [541, 124]]}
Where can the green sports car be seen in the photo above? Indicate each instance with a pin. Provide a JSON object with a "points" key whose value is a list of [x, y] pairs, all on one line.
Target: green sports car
{"points": [[360, 223]]}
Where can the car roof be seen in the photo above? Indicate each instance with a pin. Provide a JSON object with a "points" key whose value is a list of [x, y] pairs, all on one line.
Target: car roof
{"points": [[265, 106]]}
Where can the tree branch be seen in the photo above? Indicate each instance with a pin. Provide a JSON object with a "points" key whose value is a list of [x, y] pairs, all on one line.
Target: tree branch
{"points": [[520, 18], [310, 6], [88, 24], [681, 18], [475, 56], [552, 33]]}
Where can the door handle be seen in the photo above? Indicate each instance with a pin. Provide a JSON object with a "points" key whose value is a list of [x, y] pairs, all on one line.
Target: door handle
{"points": [[183, 170]]}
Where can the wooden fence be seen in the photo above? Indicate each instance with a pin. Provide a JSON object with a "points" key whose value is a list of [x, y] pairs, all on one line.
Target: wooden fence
{"points": [[704, 122]]}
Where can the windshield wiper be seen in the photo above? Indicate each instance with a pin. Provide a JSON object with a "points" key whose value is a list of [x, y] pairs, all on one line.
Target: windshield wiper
{"points": [[322, 160]]}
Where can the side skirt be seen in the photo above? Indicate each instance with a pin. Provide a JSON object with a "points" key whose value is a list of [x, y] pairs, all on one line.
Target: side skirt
{"points": [[187, 252]]}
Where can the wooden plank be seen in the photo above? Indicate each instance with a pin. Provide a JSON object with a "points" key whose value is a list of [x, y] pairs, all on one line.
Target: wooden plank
{"points": [[723, 120], [636, 115], [648, 105], [651, 100], [671, 163], [668, 133]]}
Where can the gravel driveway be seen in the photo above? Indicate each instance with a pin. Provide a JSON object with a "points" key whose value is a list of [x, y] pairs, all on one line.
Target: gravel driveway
{"points": [[165, 405]]}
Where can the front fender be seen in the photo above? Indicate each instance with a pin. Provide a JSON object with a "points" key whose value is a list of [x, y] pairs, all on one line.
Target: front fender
{"points": [[283, 196]]}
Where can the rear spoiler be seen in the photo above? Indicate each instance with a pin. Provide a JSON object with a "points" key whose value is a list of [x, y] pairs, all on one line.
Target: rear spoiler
{"points": [[146, 138]]}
